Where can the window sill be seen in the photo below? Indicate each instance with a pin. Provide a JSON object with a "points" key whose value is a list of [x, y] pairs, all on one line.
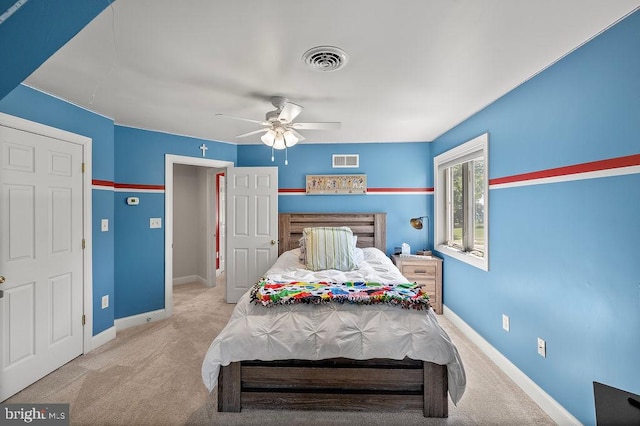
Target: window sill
{"points": [[478, 262]]}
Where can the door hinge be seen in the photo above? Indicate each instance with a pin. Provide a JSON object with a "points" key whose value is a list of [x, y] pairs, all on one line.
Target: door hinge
{"points": [[84, 244], [84, 167], [84, 319]]}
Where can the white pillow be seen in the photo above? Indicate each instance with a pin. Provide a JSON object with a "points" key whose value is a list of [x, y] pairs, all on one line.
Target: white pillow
{"points": [[358, 255], [329, 248]]}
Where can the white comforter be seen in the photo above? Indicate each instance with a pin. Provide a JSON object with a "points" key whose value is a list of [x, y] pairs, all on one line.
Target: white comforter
{"points": [[302, 331]]}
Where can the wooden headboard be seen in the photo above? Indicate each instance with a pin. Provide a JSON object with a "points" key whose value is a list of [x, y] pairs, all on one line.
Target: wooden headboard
{"points": [[371, 228]]}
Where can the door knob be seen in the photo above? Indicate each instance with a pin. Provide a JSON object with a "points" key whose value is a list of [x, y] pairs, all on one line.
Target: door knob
{"points": [[273, 242], [2, 279]]}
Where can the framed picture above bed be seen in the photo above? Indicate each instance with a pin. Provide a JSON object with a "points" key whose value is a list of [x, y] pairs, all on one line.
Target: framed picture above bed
{"points": [[336, 184]]}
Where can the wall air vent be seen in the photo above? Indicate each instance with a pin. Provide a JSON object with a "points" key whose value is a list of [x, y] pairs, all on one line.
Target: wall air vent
{"points": [[342, 161]]}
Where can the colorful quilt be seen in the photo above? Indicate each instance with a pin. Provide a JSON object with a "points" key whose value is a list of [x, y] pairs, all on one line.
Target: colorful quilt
{"points": [[271, 293]]}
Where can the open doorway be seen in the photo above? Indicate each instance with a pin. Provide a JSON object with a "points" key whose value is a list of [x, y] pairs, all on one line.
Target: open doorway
{"points": [[177, 178], [197, 224]]}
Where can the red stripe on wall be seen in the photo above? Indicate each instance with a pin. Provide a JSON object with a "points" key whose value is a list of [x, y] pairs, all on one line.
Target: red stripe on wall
{"points": [[138, 186], [133, 186], [593, 166], [400, 190], [99, 182], [291, 190]]}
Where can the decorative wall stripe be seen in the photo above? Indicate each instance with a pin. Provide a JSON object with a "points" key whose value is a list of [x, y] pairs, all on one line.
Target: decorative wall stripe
{"points": [[102, 184], [370, 191], [595, 169], [400, 190], [291, 191], [126, 187]]}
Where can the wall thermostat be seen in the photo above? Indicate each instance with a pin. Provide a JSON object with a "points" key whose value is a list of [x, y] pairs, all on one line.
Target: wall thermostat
{"points": [[133, 201]]}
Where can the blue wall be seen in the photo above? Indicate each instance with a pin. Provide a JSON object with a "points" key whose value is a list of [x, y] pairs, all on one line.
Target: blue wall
{"points": [[139, 250], [387, 165], [564, 261], [36, 106], [36, 31]]}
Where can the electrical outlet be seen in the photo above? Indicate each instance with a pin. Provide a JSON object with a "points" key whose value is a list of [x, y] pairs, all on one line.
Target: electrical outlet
{"points": [[105, 301], [105, 225], [542, 348], [155, 222], [505, 322]]}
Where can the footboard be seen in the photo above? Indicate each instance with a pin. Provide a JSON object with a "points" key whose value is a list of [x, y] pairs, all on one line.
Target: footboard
{"points": [[335, 384]]}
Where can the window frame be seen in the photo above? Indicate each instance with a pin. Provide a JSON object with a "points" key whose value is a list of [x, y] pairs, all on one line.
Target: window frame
{"points": [[476, 148]]}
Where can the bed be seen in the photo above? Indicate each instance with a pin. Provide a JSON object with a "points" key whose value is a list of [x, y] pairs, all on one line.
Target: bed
{"points": [[377, 357]]}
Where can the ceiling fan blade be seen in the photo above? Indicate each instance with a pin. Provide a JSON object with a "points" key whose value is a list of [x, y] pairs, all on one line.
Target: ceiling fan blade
{"points": [[298, 135], [289, 112], [328, 125], [262, 123], [252, 133]]}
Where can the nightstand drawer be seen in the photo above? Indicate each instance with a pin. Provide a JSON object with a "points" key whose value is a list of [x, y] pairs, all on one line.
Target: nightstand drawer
{"points": [[419, 270], [430, 289], [421, 279], [425, 271]]}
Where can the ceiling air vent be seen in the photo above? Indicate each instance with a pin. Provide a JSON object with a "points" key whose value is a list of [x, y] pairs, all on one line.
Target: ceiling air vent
{"points": [[325, 58], [342, 161]]}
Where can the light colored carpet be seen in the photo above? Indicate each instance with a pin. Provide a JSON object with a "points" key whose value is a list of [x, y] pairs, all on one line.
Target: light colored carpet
{"points": [[150, 375]]}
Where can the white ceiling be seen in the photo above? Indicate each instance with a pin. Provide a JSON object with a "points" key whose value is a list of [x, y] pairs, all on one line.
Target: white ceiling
{"points": [[416, 68]]}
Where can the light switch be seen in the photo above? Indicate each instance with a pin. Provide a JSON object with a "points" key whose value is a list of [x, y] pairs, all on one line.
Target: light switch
{"points": [[155, 222], [105, 225]]}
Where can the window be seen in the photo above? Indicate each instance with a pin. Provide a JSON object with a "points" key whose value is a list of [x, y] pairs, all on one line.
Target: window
{"points": [[462, 202]]}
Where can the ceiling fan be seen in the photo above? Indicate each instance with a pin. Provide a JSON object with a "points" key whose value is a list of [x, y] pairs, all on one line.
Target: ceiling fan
{"points": [[279, 130]]}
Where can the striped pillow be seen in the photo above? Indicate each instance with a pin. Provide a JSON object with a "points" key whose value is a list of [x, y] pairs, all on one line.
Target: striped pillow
{"points": [[329, 248]]}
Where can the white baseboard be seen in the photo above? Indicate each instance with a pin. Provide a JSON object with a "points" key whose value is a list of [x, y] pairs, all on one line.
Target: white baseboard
{"points": [[189, 279], [139, 319], [103, 337], [550, 406]]}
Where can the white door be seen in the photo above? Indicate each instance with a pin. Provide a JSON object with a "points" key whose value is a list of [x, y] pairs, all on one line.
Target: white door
{"points": [[41, 259], [252, 226]]}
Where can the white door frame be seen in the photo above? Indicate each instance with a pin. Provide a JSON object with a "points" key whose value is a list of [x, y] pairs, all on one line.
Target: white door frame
{"points": [[169, 161], [87, 215]]}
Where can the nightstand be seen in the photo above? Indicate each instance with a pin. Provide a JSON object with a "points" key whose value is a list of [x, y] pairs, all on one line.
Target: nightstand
{"points": [[425, 270]]}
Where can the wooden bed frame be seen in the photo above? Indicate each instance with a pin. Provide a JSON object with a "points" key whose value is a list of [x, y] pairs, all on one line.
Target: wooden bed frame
{"points": [[337, 383]]}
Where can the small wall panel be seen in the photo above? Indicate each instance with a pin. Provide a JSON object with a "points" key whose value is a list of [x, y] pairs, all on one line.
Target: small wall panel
{"points": [[60, 164], [241, 260], [61, 307], [263, 181], [18, 157], [241, 219], [263, 216], [241, 181], [263, 260], [20, 323], [21, 202], [61, 219]]}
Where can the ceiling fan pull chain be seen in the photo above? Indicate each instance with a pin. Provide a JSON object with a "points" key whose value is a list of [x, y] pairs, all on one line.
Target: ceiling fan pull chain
{"points": [[272, 157], [286, 157]]}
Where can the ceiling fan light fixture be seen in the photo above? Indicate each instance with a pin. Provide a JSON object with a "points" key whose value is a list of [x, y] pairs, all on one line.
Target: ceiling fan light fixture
{"points": [[268, 138], [289, 138], [279, 142]]}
